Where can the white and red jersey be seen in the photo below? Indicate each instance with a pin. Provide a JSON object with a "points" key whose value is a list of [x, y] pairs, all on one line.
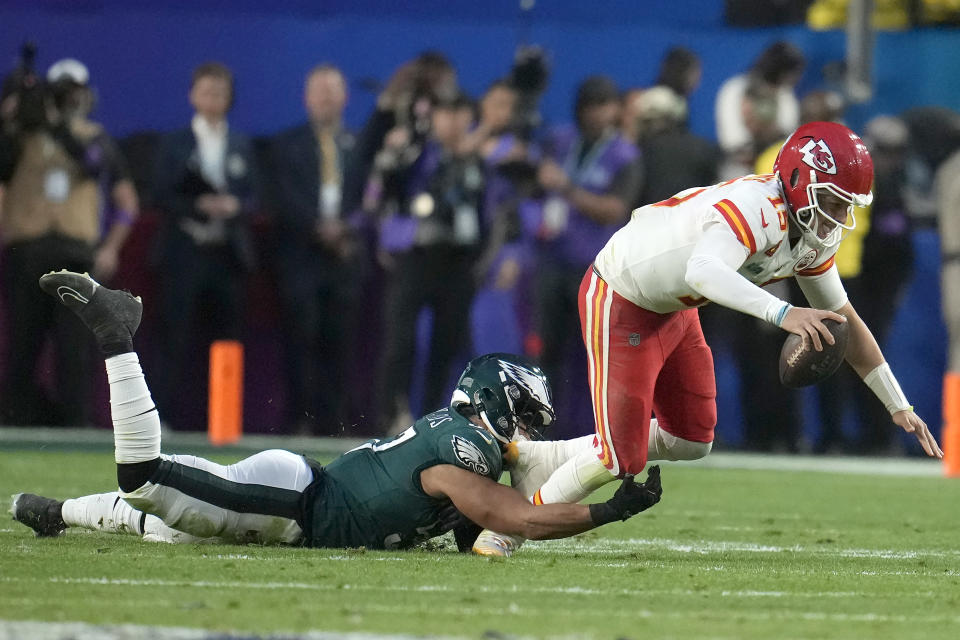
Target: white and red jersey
{"points": [[647, 260]]}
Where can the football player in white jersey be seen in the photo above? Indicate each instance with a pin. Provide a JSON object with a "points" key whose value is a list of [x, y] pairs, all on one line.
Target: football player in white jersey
{"points": [[638, 310]]}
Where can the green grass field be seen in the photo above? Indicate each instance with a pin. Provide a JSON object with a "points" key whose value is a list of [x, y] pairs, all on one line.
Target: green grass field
{"points": [[728, 553]]}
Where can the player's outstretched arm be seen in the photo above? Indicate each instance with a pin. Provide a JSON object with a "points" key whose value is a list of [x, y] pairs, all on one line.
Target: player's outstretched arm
{"points": [[500, 508], [912, 423], [864, 355]]}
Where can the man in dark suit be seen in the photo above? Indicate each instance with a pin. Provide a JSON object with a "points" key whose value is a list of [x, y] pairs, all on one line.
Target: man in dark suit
{"points": [[674, 158], [319, 256], [206, 184]]}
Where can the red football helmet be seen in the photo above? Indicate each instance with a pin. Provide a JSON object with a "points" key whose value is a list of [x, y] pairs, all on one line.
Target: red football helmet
{"points": [[824, 156]]}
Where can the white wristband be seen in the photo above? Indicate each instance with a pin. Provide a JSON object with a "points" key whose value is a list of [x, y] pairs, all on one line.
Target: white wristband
{"points": [[886, 387], [782, 314]]}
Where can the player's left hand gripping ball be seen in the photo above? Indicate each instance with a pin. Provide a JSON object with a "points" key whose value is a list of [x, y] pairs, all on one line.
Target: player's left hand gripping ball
{"points": [[801, 365]]}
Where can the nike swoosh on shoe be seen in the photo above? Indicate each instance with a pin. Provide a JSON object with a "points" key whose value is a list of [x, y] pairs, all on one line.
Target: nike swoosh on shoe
{"points": [[64, 292]]}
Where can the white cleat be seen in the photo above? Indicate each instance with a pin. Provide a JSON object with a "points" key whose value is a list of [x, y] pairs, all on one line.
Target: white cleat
{"points": [[496, 545]]}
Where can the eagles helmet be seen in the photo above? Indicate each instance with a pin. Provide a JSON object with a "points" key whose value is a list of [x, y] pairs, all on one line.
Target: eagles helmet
{"points": [[507, 392], [824, 157]]}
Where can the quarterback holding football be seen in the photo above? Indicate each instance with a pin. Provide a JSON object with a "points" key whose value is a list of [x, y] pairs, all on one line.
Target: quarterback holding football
{"points": [[650, 369]]}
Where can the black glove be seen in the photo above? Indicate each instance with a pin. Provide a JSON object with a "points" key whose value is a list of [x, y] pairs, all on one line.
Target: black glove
{"points": [[630, 499], [465, 532], [448, 517]]}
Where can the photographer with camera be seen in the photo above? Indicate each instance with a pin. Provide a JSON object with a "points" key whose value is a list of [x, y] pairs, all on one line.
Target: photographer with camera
{"points": [[590, 176], [429, 246], [57, 168], [509, 119], [510, 159], [395, 132]]}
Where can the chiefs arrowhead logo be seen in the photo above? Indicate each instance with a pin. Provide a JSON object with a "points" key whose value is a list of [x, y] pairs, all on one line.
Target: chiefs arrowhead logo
{"points": [[817, 154], [808, 258]]}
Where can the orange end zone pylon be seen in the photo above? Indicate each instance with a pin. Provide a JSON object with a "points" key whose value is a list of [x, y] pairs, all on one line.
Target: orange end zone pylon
{"points": [[951, 424], [225, 418]]}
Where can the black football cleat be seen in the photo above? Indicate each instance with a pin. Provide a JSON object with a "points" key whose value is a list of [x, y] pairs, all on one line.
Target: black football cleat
{"points": [[112, 315], [41, 514]]}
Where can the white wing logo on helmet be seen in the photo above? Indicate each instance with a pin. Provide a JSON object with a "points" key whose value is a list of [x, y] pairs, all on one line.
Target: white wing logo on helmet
{"points": [[817, 154], [532, 383], [470, 455]]}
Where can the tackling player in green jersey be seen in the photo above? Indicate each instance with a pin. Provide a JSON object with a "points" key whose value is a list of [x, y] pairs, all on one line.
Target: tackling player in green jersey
{"points": [[384, 494]]}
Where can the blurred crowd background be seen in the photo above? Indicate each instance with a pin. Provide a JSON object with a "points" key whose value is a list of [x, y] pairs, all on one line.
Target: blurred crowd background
{"points": [[367, 194]]}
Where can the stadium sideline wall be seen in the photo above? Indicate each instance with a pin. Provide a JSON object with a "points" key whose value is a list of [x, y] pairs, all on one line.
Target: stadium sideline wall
{"points": [[140, 54]]}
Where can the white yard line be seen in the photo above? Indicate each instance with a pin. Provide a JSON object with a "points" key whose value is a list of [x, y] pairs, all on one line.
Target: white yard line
{"points": [[20, 630], [442, 588], [707, 547], [827, 464]]}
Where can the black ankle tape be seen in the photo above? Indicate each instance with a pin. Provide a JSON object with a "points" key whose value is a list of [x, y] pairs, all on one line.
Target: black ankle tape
{"points": [[131, 477]]}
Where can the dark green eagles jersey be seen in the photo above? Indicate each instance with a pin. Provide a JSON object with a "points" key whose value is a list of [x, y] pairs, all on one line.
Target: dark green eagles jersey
{"points": [[371, 495]]}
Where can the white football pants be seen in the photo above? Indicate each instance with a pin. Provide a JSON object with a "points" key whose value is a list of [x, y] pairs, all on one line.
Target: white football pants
{"points": [[255, 500]]}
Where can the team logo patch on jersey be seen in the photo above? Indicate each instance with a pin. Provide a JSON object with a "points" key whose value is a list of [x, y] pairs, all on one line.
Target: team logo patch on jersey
{"points": [[634, 339], [817, 154], [808, 259], [470, 455]]}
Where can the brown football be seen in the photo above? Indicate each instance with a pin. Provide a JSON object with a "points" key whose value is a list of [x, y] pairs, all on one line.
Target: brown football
{"points": [[802, 366]]}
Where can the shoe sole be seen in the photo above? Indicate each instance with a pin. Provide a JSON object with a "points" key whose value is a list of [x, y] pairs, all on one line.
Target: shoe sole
{"points": [[13, 505]]}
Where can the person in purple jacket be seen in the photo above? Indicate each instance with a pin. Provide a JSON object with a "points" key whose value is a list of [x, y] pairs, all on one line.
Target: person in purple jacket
{"points": [[428, 248], [590, 175]]}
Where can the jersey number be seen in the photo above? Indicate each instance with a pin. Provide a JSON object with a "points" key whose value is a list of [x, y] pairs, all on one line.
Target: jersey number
{"points": [[679, 199], [377, 446], [683, 196]]}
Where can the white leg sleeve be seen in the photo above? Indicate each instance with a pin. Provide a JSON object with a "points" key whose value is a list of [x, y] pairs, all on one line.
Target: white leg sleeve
{"points": [[136, 424], [110, 513], [538, 459], [103, 512], [576, 478], [664, 446], [155, 531]]}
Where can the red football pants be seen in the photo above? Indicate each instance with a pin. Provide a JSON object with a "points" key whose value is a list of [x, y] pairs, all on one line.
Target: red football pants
{"points": [[641, 364]]}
